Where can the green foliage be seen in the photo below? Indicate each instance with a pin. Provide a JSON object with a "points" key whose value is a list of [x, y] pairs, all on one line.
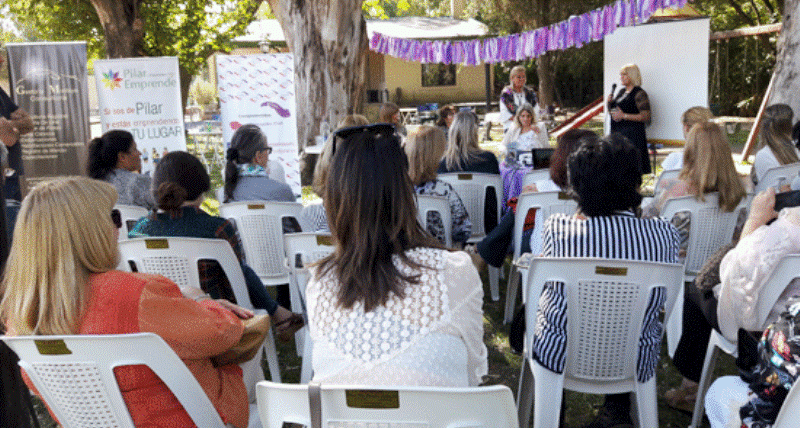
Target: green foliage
{"points": [[191, 30], [384, 9], [202, 92]]}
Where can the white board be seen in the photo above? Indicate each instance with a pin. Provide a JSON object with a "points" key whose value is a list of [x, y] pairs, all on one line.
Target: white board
{"points": [[673, 60]]}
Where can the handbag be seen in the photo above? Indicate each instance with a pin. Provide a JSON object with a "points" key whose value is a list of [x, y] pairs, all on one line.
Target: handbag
{"points": [[255, 331]]}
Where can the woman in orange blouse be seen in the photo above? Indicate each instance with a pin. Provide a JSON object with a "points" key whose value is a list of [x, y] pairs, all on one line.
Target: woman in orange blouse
{"points": [[60, 279]]}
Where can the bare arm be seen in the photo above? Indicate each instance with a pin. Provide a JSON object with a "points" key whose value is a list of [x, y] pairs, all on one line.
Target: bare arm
{"points": [[22, 121]]}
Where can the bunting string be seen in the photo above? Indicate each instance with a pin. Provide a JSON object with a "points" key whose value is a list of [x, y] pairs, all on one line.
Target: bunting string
{"points": [[572, 32]]}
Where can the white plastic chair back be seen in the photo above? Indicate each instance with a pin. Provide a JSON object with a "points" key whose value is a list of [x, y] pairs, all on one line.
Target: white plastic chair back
{"points": [[75, 376], [474, 190], [535, 175], [777, 176], [261, 231], [389, 406], [665, 175], [549, 203], [787, 270], [606, 303], [302, 249], [130, 215], [176, 259], [710, 227], [787, 417], [438, 204]]}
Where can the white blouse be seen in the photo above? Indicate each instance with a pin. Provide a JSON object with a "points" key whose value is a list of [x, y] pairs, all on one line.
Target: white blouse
{"points": [[433, 336]]}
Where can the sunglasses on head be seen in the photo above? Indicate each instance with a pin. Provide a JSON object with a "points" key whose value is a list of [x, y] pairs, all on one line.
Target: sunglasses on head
{"points": [[269, 150], [116, 218], [374, 129]]}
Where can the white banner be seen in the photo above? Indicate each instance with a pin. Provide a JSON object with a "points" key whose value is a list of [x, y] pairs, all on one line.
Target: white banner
{"points": [[259, 89], [142, 96]]}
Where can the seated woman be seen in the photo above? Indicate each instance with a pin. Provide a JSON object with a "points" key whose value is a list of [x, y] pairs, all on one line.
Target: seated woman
{"points": [[604, 177], [689, 118], [494, 248], [524, 134], [446, 115], [61, 280], [113, 157], [313, 214], [247, 174], [463, 152], [179, 184], [775, 139], [707, 167], [424, 149], [754, 399], [389, 306], [732, 305]]}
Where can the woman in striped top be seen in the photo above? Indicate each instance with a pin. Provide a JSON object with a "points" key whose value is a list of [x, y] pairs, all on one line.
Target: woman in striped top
{"points": [[605, 178]]}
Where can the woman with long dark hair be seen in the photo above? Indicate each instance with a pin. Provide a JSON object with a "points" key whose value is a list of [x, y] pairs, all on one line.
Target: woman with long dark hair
{"points": [[114, 158], [389, 306]]}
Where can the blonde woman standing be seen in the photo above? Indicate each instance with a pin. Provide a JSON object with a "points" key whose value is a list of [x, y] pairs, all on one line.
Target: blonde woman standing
{"points": [[630, 111], [515, 95], [61, 279]]}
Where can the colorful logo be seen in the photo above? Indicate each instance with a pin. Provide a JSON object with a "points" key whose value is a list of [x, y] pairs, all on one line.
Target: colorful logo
{"points": [[111, 79]]}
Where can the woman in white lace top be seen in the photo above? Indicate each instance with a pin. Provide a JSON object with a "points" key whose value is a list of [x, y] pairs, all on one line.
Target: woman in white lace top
{"points": [[389, 306]]}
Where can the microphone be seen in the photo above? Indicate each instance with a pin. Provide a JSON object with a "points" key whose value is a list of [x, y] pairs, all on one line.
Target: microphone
{"points": [[613, 88]]}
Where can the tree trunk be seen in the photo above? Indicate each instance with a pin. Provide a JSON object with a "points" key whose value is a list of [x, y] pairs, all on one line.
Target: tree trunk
{"points": [[786, 88], [123, 27], [547, 85], [329, 41]]}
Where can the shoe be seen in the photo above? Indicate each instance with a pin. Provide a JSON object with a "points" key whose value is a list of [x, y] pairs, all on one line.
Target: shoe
{"points": [[288, 327], [611, 418], [682, 398]]}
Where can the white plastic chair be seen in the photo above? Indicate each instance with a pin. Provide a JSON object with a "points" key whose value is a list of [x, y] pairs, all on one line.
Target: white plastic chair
{"points": [[389, 406], [548, 203], [177, 259], [606, 304], [440, 205], [777, 176], [473, 188], [709, 229], [260, 228], [785, 272], [665, 175], [787, 417], [302, 249], [535, 175], [75, 376], [130, 215]]}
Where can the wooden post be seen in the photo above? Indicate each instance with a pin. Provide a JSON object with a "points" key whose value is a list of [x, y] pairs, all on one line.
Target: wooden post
{"points": [[748, 147]]}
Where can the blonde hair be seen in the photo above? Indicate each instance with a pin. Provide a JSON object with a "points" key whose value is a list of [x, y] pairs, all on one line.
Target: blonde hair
{"points": [[518, 69], [708, 165], [776, 132], [463, 140], [424, 149], [632, 70], [525, 107], [324, 158], [696, 115], [62, 235]]}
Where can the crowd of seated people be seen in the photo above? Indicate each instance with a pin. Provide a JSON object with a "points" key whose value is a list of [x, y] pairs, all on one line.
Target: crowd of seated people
{"points": [[386, 267]]}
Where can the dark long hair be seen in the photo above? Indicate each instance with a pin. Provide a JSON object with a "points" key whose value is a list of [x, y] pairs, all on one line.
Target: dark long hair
{"points": [[371, 209], [104, 150], [245, 143], [567, 143], [179, 177]]}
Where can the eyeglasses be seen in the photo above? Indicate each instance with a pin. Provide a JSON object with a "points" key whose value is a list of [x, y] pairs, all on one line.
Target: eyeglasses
{"points": [[374, 129], [116, 218]]}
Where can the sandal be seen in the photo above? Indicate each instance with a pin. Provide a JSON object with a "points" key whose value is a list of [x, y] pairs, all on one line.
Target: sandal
{"points": [[289, 326], [682, 398]]}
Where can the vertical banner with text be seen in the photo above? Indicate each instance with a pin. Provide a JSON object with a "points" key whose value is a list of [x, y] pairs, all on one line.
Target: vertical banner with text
{"points": [[142, 96], [259, 89], [49, 81]]}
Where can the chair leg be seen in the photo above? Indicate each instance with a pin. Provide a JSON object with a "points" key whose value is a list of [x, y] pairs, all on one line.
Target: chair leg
{"points": [[511, 295], [306, 369], [705, 381], [494, 282], [525, 394], [272, 358], [548, 387], [674, 324], [646, 413]]}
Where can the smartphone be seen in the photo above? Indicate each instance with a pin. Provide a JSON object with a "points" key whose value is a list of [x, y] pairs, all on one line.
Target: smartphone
{"points": [[787, 199]]}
